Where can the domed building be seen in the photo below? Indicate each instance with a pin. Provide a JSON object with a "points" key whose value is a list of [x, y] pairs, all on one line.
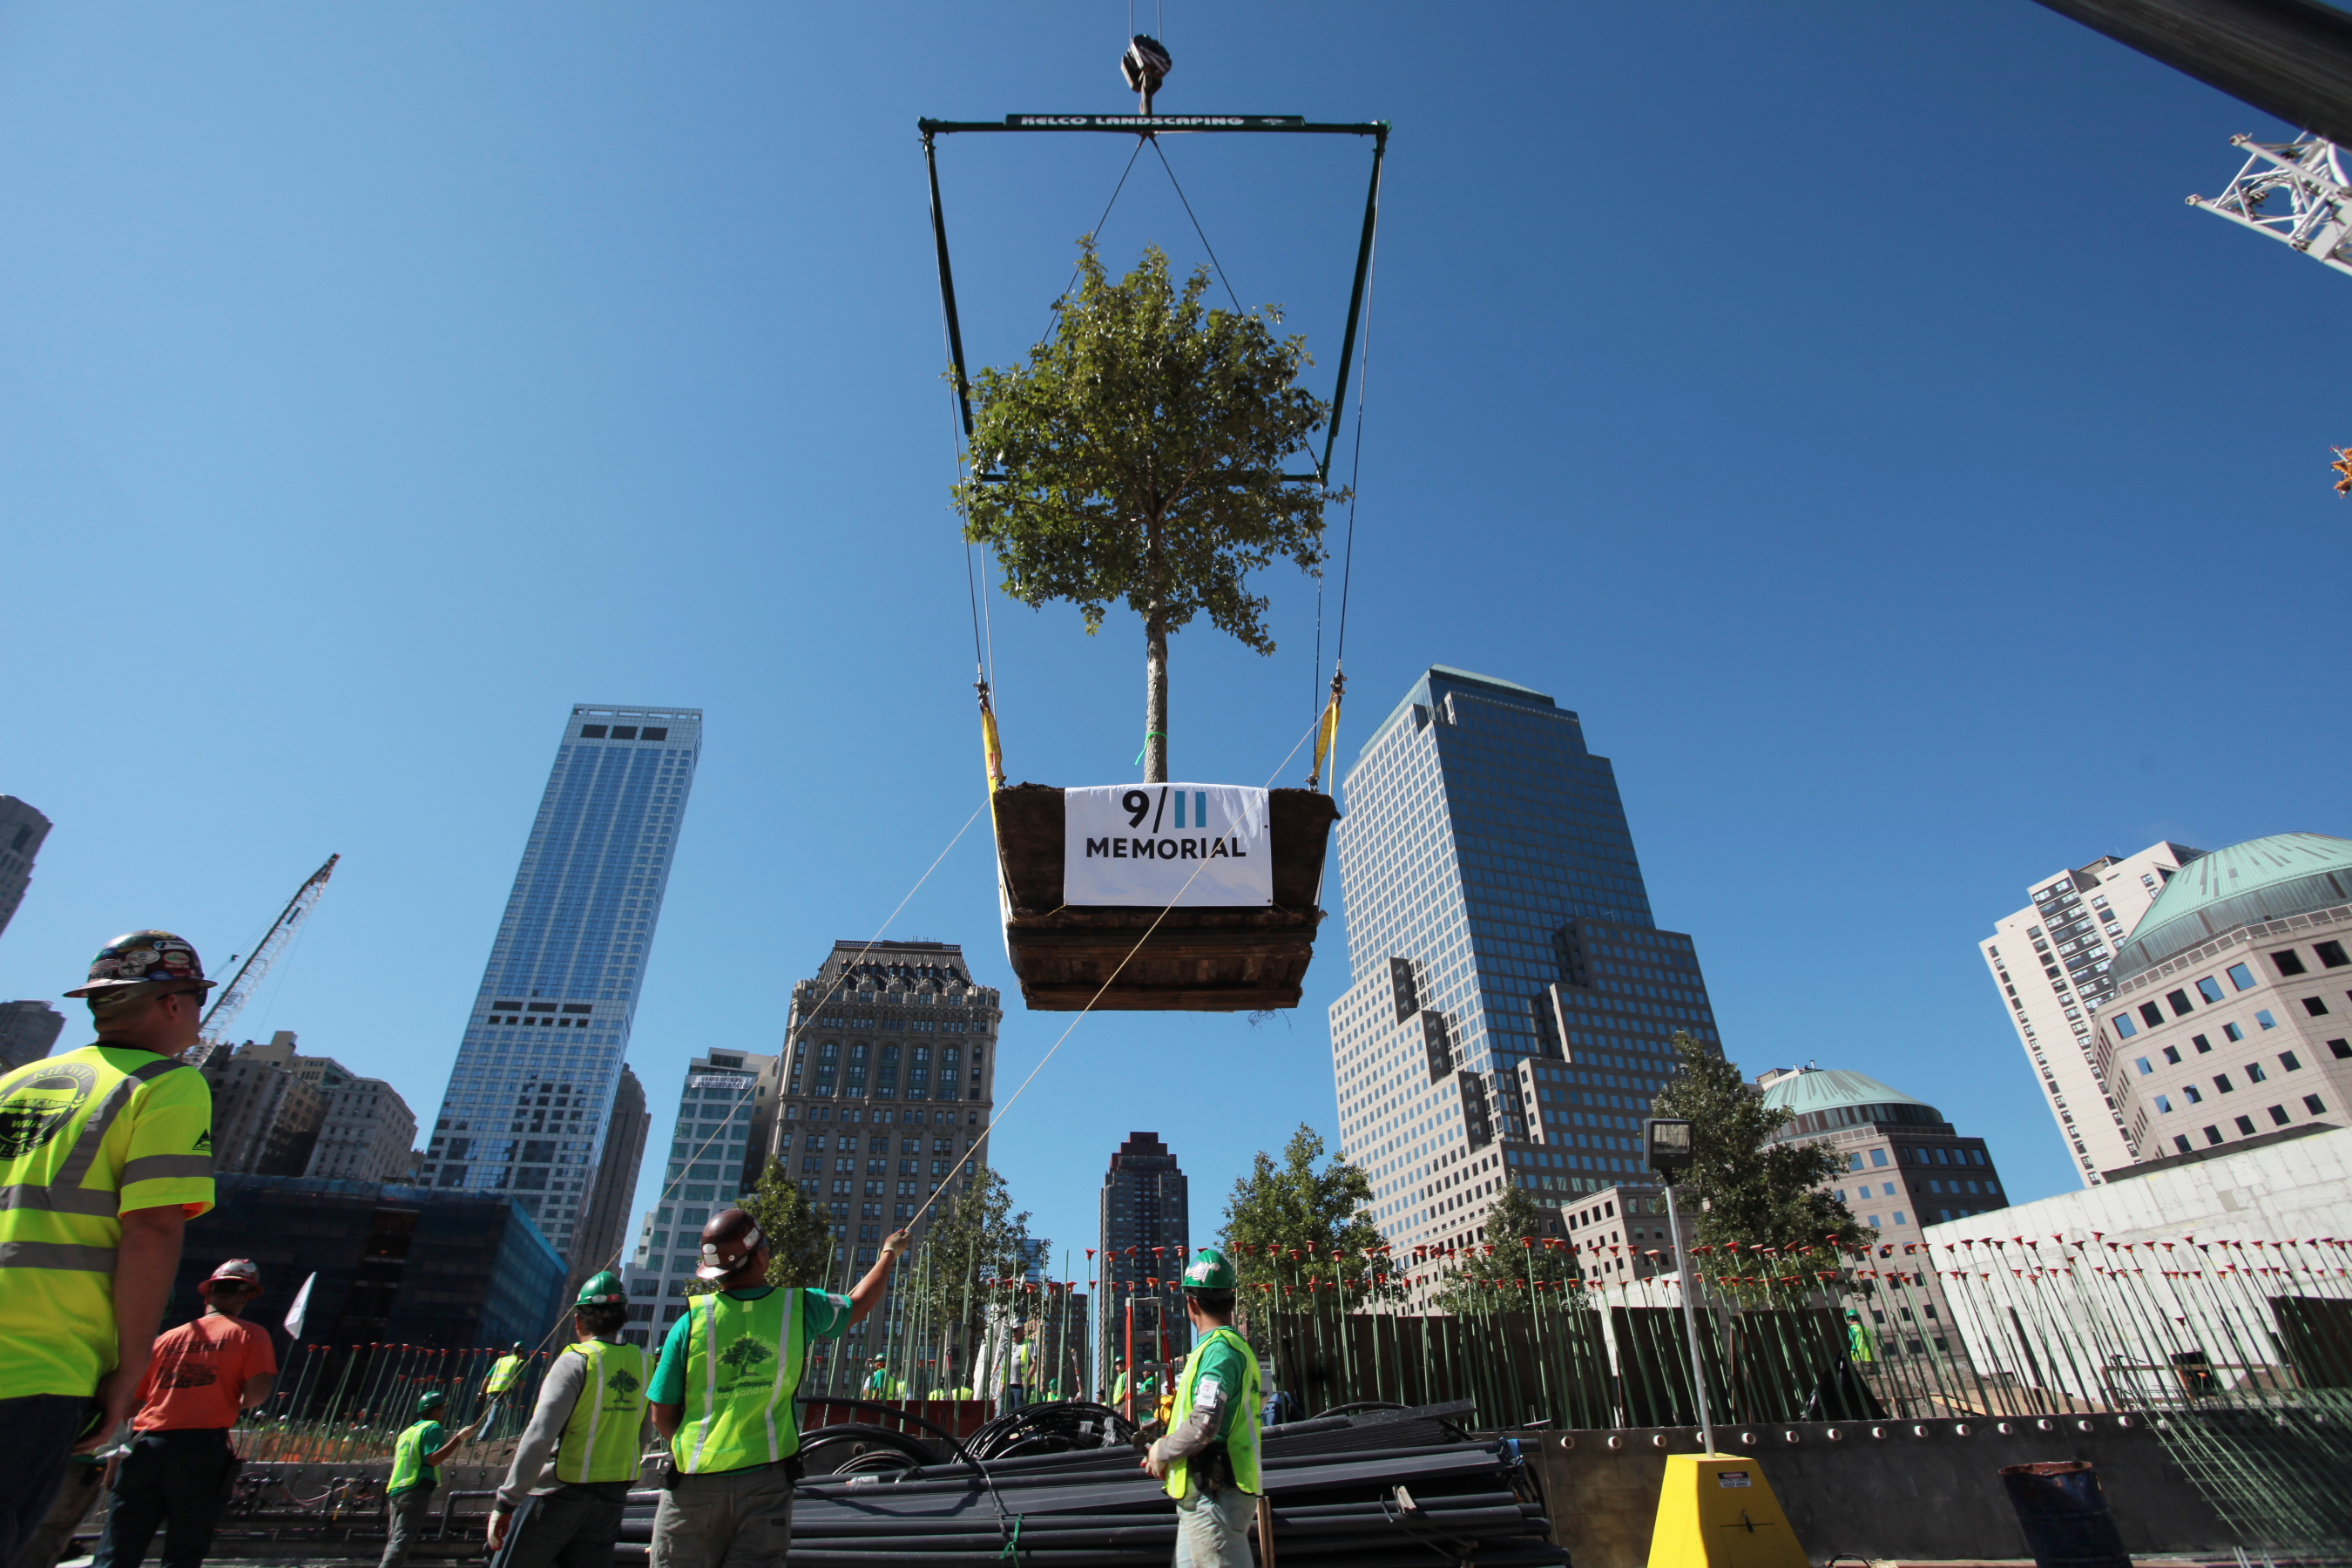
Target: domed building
{"points": [[2230, 1017], [1905, 1164]]}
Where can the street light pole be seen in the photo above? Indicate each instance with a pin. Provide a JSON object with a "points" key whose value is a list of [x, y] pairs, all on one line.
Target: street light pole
{"points": [[1670, 1148]]}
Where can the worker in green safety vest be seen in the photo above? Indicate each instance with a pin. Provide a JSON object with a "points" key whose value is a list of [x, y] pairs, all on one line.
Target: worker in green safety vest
{"points": [[722, 1395], [877, 1381], [1210, 1456], [1861, 1343], [562, 1497], [416, 1457], [106, 1152], [505, 1373]]}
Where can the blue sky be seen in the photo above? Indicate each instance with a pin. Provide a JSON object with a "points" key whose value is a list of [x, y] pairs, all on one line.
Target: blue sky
{"points": [[1836, 404]]}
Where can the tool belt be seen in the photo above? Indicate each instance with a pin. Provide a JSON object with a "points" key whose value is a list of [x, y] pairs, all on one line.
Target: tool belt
{"points": [[791, 1464], [1213, 1469]]}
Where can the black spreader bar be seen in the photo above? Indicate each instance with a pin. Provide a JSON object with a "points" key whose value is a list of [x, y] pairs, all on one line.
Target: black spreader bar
{"points": [[1151, 125]]}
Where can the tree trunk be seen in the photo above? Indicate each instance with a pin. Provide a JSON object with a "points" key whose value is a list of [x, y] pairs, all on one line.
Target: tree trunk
{"points": [[1155, 667]]}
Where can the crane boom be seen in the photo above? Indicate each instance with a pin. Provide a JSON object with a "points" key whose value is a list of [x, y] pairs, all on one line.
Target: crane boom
{"points": [[247, 980], [2288, 57]]}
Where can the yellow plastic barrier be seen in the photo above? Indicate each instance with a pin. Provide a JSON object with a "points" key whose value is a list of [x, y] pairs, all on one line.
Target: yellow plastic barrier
{"points": [[1716, 1510]]}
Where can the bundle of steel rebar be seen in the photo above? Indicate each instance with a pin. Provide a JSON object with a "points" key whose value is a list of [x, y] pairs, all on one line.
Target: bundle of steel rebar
{"points": [[1449, 1497]]}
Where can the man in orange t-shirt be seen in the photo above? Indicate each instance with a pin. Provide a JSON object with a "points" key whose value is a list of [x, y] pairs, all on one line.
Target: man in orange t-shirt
{"points": [[204, 1374]]}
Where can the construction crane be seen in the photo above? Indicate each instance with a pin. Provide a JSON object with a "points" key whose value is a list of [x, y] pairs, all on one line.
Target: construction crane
{"points": [[247, 980]]}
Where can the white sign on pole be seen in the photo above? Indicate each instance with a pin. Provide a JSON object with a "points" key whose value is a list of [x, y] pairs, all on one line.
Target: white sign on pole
{"points": [[1187, 845], [300, 1310]]}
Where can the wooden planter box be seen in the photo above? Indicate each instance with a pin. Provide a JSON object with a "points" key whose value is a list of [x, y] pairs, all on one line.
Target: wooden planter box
{"points": [[1197, 960]]}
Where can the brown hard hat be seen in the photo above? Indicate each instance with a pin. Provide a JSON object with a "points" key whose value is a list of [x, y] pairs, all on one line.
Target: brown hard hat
{"points": [[729, 1242]]}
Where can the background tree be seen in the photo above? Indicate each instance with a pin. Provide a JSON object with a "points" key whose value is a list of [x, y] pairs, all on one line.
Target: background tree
{"points": [[1318, 1215], [798, 1242], [1514, 1226], [1750, 1192], [1139, 457], [974, 1237]]}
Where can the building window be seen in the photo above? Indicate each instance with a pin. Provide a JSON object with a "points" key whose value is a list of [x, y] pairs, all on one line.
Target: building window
{"points": [[2172, 1055], [2181, 1006], [2180, 1141], [1878, 1156], [2124, 1028], [2241, 976], [2315, 1006], [2164, 1104], [2146, 1068], [2265, 1020], [2221, 1082], [2189, 1093], [2152, 1012], [2210, 988], [2340, 1049], [2255, 1074], [2288, 961], [2201, 1043], [2232, 1032], [2212, 1135], [2289, 1060], [2313, 1103], [2245, 1125], [2331, 954], [2279, 1116]]}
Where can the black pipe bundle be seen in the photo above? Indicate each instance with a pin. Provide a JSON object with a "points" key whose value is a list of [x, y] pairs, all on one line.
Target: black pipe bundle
{"points": [[1398, 1487]]}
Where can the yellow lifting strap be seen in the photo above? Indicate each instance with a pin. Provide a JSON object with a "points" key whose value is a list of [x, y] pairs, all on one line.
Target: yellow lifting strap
{"points": [[1326, 732], [992, 749]]}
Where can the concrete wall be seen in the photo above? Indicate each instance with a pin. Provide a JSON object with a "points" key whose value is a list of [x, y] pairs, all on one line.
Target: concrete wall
{"points": [[1911, 1490]]}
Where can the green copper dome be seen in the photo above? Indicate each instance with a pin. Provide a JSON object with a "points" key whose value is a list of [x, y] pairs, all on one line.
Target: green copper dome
{"points": [[1820, 1100], [2260, 880]]}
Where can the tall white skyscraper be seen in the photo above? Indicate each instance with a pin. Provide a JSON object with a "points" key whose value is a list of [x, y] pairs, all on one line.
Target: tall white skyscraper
{"points": [[2051, 962], [726, 1105], [1513, 998], [530, 1101]]}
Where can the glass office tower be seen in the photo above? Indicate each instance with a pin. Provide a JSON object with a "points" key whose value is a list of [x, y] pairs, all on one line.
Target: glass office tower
{"points": [[1512, 999], [530, 1099]]}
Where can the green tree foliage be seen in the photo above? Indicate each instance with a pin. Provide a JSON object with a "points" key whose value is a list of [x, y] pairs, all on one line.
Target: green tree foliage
{"points": [[1137, 457], [798, 1239], [1316, 1215], [1479, 1278], [1753, 1192], [975, 1236]]}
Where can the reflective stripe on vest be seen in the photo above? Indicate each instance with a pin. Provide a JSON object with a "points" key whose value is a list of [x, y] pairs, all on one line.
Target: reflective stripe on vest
{"points": [[64, 1193], [600, 1437], [409, 1469], [504, 1372], [740, 1428], [1242, 1407]]}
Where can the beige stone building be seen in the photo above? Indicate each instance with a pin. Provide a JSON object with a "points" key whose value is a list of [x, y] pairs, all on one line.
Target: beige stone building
{"points": [[2052, 961], [2231, 1015]]}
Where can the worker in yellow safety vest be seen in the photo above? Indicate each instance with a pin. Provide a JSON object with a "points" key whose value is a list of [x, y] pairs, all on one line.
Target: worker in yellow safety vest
{"points": [[722, 1395], [417, 1455], [106, 1152], [562, 1497], [1209, 1457]]}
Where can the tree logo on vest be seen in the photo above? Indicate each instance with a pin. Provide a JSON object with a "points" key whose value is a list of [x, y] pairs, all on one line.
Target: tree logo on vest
{"points": [[39, 1108], [744, 1354], [620, 1389]]}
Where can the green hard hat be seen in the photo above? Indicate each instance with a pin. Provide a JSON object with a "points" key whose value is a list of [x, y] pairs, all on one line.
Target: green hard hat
{"points": [[429, 1402], [603, 1289], [1209, 1270]]}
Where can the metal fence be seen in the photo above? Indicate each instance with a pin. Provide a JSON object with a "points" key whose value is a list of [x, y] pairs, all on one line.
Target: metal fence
{"points": [[2239, 1351]]}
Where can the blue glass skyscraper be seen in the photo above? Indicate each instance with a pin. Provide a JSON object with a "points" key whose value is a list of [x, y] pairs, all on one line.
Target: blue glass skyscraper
{"points": [[530, 1099], [1512, 999]]}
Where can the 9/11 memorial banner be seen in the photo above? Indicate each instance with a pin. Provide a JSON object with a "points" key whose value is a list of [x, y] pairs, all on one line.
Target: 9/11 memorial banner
{"points": [[1187, 845]]}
